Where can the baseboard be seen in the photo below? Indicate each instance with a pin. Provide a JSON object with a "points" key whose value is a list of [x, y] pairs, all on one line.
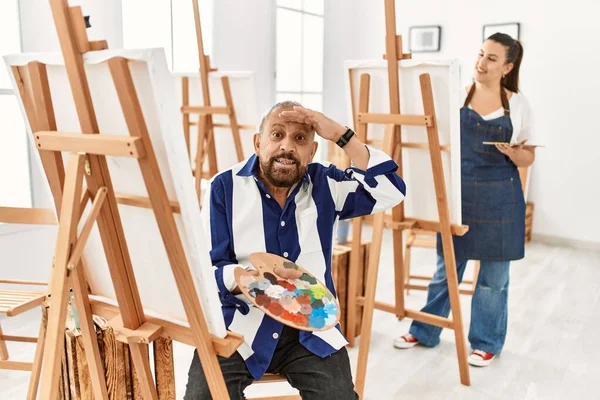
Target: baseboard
{"points": [[562, 241]]}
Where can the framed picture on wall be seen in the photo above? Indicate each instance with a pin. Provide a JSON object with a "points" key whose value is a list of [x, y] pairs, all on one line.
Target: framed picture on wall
{"points": [[424, 38], [510, 28]]}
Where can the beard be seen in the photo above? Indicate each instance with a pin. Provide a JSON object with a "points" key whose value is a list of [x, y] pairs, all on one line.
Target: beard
{"points": [[279, 176]]}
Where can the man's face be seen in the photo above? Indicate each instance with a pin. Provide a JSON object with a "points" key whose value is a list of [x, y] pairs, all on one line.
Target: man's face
{"points": [[284, 150]]}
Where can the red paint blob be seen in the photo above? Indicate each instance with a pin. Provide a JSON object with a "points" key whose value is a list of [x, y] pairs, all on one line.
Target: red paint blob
{"points": [[300, 320], [287, 285], [287, 316], [304, 299], [275, 309]]}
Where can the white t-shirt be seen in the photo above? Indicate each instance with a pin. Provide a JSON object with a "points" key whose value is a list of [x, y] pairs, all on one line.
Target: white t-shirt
{"points": [[520, 116]]}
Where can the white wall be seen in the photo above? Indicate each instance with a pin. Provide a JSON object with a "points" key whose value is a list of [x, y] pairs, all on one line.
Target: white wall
{"points": [[244, 39], [558, 77]]}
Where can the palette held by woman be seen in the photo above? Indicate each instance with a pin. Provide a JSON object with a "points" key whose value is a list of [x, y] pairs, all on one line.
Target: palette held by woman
{"points": [[288, 293]]}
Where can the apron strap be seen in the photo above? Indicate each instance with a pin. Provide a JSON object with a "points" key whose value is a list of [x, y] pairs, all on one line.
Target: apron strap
{"points": [[505, 103], [503, 98]]}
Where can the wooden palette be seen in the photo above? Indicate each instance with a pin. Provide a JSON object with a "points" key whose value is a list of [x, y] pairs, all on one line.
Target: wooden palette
{"points": [[513, 144], [303, 303]]}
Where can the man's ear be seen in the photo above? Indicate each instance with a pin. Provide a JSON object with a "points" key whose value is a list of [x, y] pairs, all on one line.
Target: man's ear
{"points": [[314, 150], [256, 140]]}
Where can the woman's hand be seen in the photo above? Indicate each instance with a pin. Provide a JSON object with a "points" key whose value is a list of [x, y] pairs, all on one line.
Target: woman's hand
{"points": [[511, 149], [324, 126], [520, 156]]}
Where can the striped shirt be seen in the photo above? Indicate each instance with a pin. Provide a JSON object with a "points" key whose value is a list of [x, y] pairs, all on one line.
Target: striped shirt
{"points": [[241, 217]]}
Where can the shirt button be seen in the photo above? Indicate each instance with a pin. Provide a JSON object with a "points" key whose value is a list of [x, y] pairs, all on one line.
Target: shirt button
{"points": [[275, 335], [285, 254], [282, 223], [268, 196]]}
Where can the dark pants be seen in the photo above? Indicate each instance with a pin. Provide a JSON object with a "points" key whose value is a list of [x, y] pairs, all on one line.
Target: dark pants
{"points": [[315, 377]]}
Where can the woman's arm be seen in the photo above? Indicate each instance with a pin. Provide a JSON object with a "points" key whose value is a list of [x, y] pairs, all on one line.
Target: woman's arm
{"points": [[519, 155]]}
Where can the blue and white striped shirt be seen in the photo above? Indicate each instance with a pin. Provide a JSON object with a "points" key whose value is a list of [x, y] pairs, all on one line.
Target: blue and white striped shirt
{"points": [[241, 217]]}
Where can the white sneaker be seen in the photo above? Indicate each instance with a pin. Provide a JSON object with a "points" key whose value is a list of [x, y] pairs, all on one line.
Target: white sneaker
{"points": [[480, 358], [406, 341]]}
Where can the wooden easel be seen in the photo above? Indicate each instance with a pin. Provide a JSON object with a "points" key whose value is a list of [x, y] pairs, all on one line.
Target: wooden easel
{"points": [[87, 159], [206, 132], [393, 145]]}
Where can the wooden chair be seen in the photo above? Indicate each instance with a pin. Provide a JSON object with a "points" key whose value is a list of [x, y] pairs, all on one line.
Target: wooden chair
{"points": [[16, 300]]}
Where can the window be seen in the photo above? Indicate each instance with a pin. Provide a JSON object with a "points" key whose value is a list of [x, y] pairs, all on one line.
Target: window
{"points": [[299, 57], [168, 24], [15, 180]]}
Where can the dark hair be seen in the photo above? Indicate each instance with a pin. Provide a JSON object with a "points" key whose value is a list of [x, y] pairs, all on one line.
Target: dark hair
{"points": [[281, 104], [514, 55]]}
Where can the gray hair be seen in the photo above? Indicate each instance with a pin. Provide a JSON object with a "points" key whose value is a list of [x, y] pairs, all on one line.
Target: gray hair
{"points": [[278, 106]]}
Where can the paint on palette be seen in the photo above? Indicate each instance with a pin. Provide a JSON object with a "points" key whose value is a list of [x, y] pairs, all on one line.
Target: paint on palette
{"points": [[304, 302]]}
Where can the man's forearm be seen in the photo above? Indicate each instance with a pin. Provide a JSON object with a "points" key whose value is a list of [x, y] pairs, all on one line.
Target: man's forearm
{"points": [[358, 153]]}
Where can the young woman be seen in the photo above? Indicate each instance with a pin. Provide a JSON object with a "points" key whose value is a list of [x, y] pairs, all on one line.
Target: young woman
{"points": [[492, 200]]}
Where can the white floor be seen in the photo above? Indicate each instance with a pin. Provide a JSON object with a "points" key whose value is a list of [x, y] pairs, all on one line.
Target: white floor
{"points": [[551, 350]]}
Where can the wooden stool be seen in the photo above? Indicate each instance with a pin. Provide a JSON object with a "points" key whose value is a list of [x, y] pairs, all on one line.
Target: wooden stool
{"points": [[273, 378], [13, 303]]}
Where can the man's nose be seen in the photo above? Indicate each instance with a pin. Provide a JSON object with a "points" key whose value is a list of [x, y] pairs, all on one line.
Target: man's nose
{"points": [[288, 144]]}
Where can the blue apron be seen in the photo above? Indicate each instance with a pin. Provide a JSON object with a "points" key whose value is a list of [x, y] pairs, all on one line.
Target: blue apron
{"points": [[493, 205]]}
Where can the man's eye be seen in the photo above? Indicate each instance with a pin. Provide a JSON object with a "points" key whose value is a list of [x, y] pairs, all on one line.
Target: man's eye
{"points": [[276, 134], [300, 138]]}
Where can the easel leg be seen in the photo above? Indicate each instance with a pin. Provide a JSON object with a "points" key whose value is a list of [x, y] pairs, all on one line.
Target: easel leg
{"points": [[3, 348], [235, 129], [90, 341], [369, 304], [459, 333], [199, 168], [36, 369], [141, 363], [353, 281], [213, 167], [59, 300], [446, 233], [407, 251], [371, 286], [355, 259], [392, 137]]}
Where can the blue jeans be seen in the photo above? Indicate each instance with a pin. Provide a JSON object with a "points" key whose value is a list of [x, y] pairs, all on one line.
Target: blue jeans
{"points": [[489, 306]]}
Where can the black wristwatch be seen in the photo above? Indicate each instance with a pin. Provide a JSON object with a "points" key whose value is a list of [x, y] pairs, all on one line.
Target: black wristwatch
{"points": [[345, 138]]}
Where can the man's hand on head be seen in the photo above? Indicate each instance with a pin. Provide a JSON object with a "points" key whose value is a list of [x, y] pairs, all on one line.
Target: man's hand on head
{"points": [[324, 126]]}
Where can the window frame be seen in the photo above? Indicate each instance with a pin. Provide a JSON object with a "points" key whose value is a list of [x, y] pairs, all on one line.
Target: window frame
{"points": [[7, 228]]}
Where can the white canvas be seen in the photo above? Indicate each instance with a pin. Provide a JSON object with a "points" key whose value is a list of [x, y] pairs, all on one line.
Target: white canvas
{"points": [[243, 92], [420, 199], [154, 85]]}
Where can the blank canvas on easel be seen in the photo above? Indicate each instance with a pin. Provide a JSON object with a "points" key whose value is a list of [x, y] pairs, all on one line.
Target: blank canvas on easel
{"points": [[153, 273], [420, 199]]}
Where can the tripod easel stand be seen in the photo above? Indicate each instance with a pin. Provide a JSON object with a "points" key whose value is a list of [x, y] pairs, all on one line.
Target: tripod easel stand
{"points": [[394, 145]]}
